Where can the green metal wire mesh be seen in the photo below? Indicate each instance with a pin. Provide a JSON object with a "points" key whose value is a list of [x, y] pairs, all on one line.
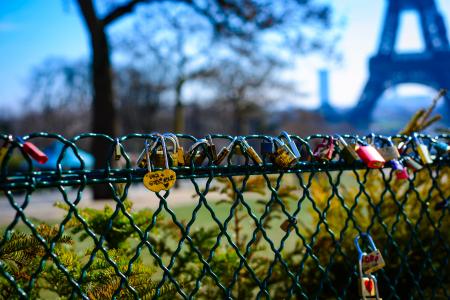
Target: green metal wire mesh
{"points": [[227, 241]]}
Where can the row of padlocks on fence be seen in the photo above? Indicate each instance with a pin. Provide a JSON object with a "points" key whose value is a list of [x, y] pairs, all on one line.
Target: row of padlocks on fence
{"points": [[375, 151], [401, 153], [284, 152]]}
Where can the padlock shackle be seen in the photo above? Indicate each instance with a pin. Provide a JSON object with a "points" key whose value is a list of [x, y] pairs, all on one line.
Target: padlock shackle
{"points": [[242, 142], [374, 137], [195, 145], [291, 144], [358, 248], [173, 141], [147, 150], [147, 155], [286, 136], [231, 144], [174, 138], [209, 139], [278, 142], [164, 148], [341, 139], [370, 139]]}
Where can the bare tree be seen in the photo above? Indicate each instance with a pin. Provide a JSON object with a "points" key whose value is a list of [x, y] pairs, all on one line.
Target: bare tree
{"points": [[58, 97], [181, 45], [231, 17]]}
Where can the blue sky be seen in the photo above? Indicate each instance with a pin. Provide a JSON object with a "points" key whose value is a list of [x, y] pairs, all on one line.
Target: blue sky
{"points": [[31, 31]]}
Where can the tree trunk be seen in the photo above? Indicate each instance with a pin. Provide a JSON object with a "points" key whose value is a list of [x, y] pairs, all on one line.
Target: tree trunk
{"points": [[103, 110], [179, 109]]}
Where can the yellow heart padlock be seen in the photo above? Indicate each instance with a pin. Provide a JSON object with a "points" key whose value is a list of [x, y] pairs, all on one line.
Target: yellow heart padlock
{"points": [[157, 181]]}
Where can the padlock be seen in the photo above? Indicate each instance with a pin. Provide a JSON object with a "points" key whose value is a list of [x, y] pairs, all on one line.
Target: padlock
{"points": [[117, 150], [200, 156], [33, 151], [179, 149], [142, 158], [401, 147], [211, 148], [367, 283], [388, 151], [267, 148], [402, 174], [423, 151], [5, 147], [159, 156], [412, 163], [372, 262], [291, 144], [441, 147], [325, 150], [369, 262], [283, 156], [399, 170], [157, 181], [247, 149], [370, 156], [196, 153], [368, 287], [347, 151], [224, 152]]}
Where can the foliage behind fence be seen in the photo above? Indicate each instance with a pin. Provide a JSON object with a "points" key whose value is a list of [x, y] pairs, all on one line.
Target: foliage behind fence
{"points": [[231, 244]]}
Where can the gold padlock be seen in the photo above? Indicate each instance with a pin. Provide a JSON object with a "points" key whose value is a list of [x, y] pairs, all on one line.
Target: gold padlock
{"points": [[212, 148], [159, 160], [117, 150], [195, 153], [224, 152], [283, 156], [159, 157], [157, 181], [290, 144], [179, 152], [246, 148], [423, 151], [348, 152]]}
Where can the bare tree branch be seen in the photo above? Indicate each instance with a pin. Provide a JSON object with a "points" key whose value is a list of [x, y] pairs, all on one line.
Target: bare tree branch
{"points": [[121, 10]]}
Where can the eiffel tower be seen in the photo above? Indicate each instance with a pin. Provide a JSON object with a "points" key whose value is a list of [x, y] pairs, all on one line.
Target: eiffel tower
{"points": [[388, 68]]}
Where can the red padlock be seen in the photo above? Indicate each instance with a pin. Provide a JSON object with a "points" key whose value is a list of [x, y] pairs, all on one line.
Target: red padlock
{"points": [[402, 174], [400, 171], [370, 156], [33, 151]]}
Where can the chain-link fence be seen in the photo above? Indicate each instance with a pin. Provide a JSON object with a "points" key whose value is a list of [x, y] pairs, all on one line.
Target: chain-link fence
{"points": [[242, 228]]}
